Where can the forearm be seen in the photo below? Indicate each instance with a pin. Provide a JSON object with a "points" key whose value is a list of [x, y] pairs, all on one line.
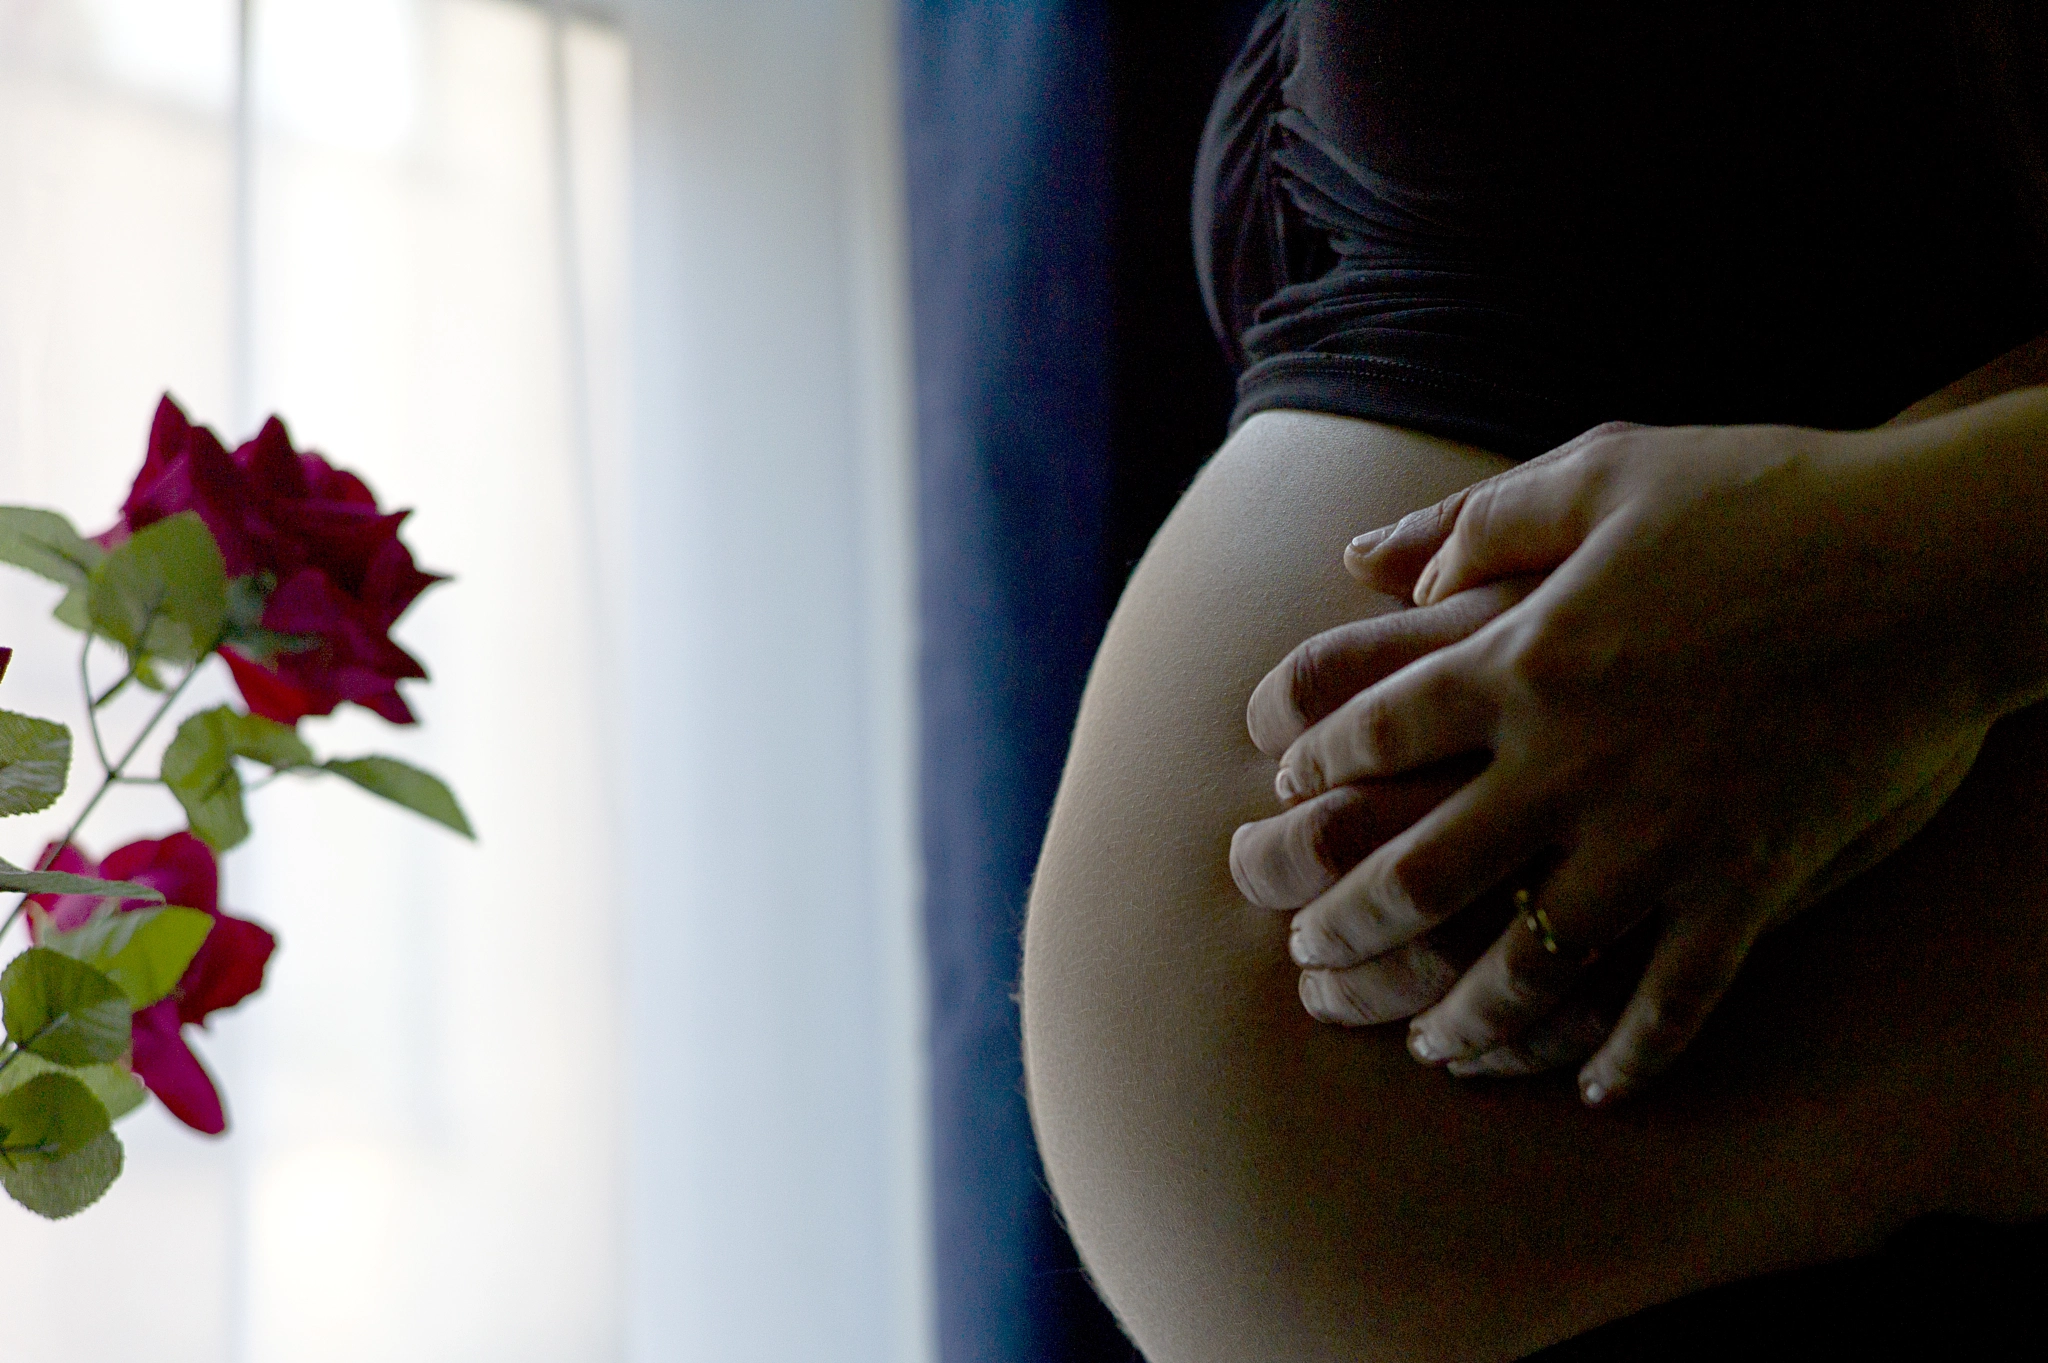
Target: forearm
{"points": [[1956, 509]]}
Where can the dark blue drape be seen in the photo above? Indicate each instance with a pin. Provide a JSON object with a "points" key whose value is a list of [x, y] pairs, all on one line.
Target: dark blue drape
{"points": [[1049, 148], [1006, 119]]}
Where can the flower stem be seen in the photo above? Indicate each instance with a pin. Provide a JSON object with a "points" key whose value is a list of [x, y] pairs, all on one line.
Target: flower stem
{"points": [[112, 777], [92, 707]]}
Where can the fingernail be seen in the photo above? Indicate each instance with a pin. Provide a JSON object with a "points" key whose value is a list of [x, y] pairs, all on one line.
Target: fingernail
{"points": [[1323, 1000], [1425, 584], [1425, 1047], [1594, 1092], [1313, 949], [1370, 540], [1287, 785]]}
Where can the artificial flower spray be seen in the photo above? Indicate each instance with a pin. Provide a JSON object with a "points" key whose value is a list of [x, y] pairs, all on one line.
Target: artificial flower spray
{"points": [[285, 567]]}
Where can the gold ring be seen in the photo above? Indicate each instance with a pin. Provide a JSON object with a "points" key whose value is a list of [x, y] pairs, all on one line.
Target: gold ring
{"points": [[1536, 920]]}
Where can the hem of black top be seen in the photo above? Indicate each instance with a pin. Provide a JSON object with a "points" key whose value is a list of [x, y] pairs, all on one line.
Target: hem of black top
{"points": [[1399, 393]]}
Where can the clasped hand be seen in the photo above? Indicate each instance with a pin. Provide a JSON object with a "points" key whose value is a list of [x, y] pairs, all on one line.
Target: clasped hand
{"points": [[1660, 689]]}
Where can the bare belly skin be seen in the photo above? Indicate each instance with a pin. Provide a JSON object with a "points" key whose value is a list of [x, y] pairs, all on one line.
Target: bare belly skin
{"points": [[1246, 1184]]}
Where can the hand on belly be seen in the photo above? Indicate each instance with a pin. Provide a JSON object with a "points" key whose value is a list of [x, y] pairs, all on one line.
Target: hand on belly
{"points": [[1698, 724]]}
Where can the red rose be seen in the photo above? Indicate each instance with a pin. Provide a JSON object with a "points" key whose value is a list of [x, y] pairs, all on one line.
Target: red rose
{"points": [[228, 968], [341, 575]]}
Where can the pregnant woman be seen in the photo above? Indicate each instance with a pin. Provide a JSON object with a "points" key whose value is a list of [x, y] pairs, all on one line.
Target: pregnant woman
{"points": [[1698, 787]]}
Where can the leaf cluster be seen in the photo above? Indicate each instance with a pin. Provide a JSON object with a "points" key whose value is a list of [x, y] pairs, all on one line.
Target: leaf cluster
{"points": [[68, 1006]]}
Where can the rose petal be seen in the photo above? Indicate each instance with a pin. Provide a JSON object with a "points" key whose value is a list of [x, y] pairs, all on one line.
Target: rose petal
{"points": [[228, 968], [181, 866], [270, 695], [172, 1072]]}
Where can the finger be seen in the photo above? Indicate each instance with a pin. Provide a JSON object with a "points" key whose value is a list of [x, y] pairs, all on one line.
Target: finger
{"points": [[1391, 558], [1397, 984], [1527, 520], [1566, 1037], [1444, 862], [1696, 959], [1432, 709], [1329, 669], [1285, 861], [1585, 906]]}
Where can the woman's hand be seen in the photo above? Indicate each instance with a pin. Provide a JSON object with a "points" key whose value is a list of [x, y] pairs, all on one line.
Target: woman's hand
{"points": [[1758, 665]]}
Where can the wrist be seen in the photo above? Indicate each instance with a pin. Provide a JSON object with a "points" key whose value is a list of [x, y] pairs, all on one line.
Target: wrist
{"points": [[1958, 509]]}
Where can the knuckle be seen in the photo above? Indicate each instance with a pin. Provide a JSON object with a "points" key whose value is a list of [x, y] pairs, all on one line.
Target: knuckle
{"points": [[1667, 1022], [1321, 837], [1521, 992], [1376, 729], [1317, 675], [1354, 1001], [1431, 522], [1396, 889], [1548, 656], [1468, 531], [1601, 434], [1300, 674], [1358, 926]]}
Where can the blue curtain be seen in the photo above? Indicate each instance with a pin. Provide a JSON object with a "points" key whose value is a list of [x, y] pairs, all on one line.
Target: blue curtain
{"points": [[1007, 142], [1067, 388]]}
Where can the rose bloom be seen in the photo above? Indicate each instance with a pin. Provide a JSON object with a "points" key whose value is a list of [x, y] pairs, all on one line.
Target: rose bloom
{"points": [[342, 575], [228, 968]]}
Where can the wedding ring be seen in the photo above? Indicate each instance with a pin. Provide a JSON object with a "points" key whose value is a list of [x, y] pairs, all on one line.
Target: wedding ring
{"points": [[1536, 920]]}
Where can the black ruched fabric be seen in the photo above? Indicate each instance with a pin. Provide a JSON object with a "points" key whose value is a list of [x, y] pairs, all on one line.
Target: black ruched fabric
{"points": [[1503, 223]]}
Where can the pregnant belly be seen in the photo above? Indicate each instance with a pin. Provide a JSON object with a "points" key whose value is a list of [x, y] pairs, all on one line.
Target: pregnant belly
{"points": [[1245, 1184]]}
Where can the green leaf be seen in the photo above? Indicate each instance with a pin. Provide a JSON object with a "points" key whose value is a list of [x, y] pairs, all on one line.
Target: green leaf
{"points": [[199, 768], [12, 877], [247, 596], [49, 1117], [59, 1188], [63, 1010], [164, 592], [200, 771], [264, 740], [46, 544], [73, 610], [145, 951], [117, 1088], [419, 791], [35, 758]]}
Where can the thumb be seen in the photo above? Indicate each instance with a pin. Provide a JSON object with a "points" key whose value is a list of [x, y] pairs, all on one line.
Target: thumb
{"points": [[1393, 558], [1527, 520]]}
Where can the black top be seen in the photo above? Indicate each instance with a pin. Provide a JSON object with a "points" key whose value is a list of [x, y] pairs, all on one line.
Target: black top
{"points": [[1505, 222]]}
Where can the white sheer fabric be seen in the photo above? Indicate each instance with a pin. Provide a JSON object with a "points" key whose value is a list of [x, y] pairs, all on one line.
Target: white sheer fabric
{"points": [[425, 1161]]}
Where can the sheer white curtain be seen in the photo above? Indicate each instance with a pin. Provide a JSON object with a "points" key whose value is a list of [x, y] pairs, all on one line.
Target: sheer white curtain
{"points": [[778, 1206], [616, 303]]}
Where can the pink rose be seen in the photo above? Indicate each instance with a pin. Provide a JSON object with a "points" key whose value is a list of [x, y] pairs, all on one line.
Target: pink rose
{"points": [[341, 576], [228, 968]]}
